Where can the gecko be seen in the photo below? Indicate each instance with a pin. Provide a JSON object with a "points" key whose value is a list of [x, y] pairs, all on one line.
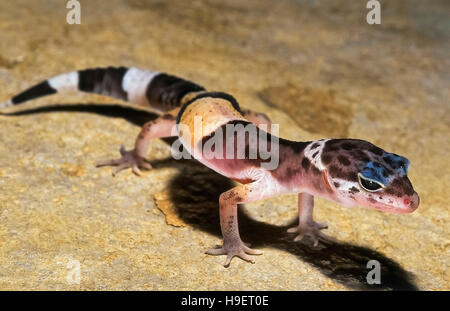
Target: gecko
{"points": [[348, 171]]}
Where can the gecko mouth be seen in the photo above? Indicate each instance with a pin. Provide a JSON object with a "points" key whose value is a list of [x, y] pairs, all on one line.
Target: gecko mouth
{"points": [[410, 205]]}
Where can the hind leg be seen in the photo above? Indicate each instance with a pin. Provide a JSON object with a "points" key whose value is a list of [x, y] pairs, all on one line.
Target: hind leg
{"points": [[135, 158]]}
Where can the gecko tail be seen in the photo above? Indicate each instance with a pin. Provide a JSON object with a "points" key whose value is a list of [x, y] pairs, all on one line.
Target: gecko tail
{"points": [[140, 87]]}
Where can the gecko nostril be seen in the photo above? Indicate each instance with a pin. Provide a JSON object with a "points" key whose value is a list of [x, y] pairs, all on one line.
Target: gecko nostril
{"points": [[407, 202]]}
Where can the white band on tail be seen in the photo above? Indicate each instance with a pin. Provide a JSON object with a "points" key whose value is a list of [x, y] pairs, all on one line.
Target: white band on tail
{"points": [[65, 83], [135, 83]]}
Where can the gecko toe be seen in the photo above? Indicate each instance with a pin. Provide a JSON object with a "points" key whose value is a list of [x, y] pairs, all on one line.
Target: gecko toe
{"points": [[321, 225], [251, 251], [245, 257], [216, 251], [313, 230], [292, 230], [129, 159], [235, 250]]}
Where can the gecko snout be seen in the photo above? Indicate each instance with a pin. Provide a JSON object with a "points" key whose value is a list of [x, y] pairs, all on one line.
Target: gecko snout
{"points": [[411, 203]]}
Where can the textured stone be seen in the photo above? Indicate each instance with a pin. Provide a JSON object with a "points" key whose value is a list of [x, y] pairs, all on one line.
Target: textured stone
{"points": [[57, 209]]}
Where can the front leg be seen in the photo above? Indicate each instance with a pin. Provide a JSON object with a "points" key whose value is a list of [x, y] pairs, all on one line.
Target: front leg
{"points": [[306, 224], [228, 201], [135, 158]]}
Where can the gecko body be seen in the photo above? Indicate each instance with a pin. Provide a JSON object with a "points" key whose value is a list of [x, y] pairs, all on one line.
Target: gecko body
{"points": [[348, 171]]}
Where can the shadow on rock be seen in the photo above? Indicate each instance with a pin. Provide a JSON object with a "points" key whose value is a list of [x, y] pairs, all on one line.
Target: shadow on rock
{"points": [[131, 114]]}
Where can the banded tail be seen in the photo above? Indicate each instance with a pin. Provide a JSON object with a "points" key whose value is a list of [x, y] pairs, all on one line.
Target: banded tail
{"points": [[159, 91]]}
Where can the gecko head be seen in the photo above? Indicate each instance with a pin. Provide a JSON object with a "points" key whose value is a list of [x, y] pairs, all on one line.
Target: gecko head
{"points": [[364, 174]]}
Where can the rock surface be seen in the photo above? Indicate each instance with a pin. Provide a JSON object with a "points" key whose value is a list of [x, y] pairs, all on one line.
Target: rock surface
{"points": [[317, 69]]}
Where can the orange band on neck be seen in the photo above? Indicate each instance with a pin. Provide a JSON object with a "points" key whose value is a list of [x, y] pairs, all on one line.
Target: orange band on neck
{"points": [[325, 179]]}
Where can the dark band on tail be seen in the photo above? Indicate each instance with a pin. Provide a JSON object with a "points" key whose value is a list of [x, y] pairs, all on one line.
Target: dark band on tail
{"points": [[39, 90], [167, 91], [105, 81]]}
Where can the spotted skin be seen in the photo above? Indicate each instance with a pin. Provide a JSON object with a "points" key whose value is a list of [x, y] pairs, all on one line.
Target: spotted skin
{"points": [[348, 171]]}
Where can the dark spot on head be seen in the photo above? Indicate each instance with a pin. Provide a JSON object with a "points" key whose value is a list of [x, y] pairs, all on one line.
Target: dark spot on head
{"points": [[333, 170], [315, 154], [360, 155], [389, 161], [389, 190], [337, 185], [326, 159], [401, 186], [353, 190], [343, 160], [376, 150], [331, 149], [347, 146], [351, 176]]}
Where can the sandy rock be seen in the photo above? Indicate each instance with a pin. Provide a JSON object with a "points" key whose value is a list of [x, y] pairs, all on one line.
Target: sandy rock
{"points": [[384, 83]]}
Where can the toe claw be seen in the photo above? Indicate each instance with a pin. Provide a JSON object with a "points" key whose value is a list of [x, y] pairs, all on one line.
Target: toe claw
{"points": [[228, 261]]}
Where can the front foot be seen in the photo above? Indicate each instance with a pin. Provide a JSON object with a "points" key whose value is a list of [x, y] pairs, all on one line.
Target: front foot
{"points": [[311, 229], [129, 159], [232, 249]]}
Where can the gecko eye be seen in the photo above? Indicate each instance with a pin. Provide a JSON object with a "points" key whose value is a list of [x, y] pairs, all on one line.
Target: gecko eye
{"points": [[369, 184]]}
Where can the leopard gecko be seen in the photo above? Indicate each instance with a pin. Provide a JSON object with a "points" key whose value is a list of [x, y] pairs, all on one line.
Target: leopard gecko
{"points": [[348, 171]]}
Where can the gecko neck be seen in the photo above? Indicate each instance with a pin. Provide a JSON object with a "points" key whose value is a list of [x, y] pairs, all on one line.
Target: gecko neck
{"points": [[300, 168]]}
